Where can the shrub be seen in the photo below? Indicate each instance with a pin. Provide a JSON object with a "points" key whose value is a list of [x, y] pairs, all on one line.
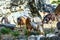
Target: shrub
{"points": [[5, 30], [15, 33], [47, 31], [26, 32]]}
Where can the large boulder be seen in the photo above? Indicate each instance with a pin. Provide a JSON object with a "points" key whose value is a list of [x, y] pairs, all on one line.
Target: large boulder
{"points": [[58, 25], [11, 26]]}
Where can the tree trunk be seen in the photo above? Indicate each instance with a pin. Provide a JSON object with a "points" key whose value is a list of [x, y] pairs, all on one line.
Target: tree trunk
{"points": [[33, 9]]}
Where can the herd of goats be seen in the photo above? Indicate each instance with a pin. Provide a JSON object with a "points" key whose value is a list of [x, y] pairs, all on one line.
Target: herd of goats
{"points": [[36, 23]]}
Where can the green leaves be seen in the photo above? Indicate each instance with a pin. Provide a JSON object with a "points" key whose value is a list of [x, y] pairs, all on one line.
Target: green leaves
{"points": [[47, 31], [9, 31], [15, 33], [5, 30], [56, 2], [26, 32]]}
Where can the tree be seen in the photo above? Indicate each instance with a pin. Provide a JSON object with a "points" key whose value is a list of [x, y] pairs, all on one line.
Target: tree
{"points": [[33, 9]]}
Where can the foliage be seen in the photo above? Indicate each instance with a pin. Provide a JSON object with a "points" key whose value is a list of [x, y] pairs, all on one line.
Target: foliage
{"points": [[15, 33], [57, 2], [26, 32], [47, 31], [0, 33], [33, 9], [32, 33], [5, 30], [54, 2], [9, 31]]}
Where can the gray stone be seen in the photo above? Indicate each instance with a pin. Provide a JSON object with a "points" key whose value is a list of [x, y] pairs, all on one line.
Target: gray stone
{"points": [[52, 37], [41, 37], [32, 37], [21, 37], [6, 37]]}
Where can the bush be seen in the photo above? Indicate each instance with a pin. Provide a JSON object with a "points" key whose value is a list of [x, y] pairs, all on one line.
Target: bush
{"points": [[47, 31], [54, 2], [5, 30], [15, 33], [26, 32]]}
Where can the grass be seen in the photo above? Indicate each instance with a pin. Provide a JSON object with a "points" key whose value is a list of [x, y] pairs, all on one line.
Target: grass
{"points": [[47, 31], [5, 30], [9, 31], [15, 33]]}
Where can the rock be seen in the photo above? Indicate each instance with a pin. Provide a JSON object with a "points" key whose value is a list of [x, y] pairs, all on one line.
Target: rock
{"points": [[32, 37], [6, 37], [21, 37], [58, 25], [52, 37], [41, 37], [11, 26]]}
